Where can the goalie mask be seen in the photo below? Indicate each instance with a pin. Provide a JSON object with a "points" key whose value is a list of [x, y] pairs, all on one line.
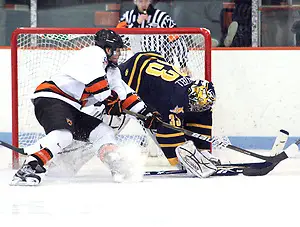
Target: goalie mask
{"points": [[106, 38], [202, 96]]}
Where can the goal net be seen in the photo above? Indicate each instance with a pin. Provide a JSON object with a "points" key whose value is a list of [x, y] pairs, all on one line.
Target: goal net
{"points": [[38, 53]]}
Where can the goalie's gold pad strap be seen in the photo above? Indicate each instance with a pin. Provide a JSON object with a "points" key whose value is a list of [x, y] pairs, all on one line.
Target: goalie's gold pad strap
{"points": [[173, 161]]}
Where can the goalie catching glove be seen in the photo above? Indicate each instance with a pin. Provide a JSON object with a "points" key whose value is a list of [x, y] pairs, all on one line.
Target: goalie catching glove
{"points": [[113, 104], [153, 120]]}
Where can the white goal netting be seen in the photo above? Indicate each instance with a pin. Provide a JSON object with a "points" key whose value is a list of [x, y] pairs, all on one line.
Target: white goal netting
{"points": [[38, 53]]}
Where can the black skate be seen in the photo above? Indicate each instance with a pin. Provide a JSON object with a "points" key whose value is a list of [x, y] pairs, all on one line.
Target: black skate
{"points": [[27, 175]]}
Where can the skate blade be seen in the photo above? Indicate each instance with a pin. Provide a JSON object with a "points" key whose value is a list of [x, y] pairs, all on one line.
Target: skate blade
{"points": [[29, 182]]}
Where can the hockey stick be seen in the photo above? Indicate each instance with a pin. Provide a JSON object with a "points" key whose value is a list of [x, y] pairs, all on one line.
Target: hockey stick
{"points": [[223, 170], [204, 138], [280, 142], [251, 171], [164, 172], [16, 149], [219, 172]]}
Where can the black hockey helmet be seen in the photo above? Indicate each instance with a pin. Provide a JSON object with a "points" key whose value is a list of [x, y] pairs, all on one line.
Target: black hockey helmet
{"points": [[108, 38]]}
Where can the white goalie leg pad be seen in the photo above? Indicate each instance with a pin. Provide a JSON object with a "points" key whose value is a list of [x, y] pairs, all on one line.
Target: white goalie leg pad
{"points": [[125, 162], [210, 157], [194, 161]]}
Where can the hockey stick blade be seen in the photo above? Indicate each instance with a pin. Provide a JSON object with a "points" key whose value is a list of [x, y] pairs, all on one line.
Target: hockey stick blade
{"points": [[289, 152], [11, 147], [261, 171]]}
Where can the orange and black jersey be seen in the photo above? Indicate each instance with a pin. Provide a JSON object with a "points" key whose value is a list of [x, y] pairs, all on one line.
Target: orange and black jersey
{"points": [[80, 93], [82, 80]]}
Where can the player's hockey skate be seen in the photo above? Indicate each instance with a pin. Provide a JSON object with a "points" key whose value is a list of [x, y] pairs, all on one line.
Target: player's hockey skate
{"points": [[123, 166], [112, 159], [27, 175], [195, 162]]}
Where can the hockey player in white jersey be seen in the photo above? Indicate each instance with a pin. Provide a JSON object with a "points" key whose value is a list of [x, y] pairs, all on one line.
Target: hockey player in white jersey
{"points": [[200, 164], [90, 75]]}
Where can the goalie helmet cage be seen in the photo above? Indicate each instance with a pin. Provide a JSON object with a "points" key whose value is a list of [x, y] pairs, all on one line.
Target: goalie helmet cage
{"points": [[38, 53]]}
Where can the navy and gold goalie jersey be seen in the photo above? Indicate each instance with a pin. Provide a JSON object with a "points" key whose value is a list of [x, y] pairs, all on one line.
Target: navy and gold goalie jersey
{"points": [[154, 79], [164, 88]]}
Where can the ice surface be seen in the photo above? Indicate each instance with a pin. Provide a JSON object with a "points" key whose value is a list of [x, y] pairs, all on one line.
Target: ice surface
{"points": [[92, 199]]}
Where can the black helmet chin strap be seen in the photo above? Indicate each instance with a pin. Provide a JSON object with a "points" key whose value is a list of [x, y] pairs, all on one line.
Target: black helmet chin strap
{"points": [[107, 54], [113, 52]]}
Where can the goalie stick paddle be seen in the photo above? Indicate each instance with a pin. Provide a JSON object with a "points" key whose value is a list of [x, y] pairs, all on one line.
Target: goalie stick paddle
{"points": [[250, 171], [220, 172], [223, 170], [229, 171]]}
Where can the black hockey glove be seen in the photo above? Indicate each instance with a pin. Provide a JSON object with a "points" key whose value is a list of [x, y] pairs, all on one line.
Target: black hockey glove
{"points": [[153, 120], [113, 104]]}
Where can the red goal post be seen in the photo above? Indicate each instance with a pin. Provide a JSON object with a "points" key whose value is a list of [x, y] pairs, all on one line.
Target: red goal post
{"points": [[36, 53]]}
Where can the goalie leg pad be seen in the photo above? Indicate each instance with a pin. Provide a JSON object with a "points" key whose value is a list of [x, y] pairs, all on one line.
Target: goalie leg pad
{"points": [[210, 157], [194, 161]]}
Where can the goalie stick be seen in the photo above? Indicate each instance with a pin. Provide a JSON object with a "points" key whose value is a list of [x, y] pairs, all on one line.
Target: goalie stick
{"points": [[235, 169], [249, 171], [219, 172], [222, 170], [280, 142]]}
